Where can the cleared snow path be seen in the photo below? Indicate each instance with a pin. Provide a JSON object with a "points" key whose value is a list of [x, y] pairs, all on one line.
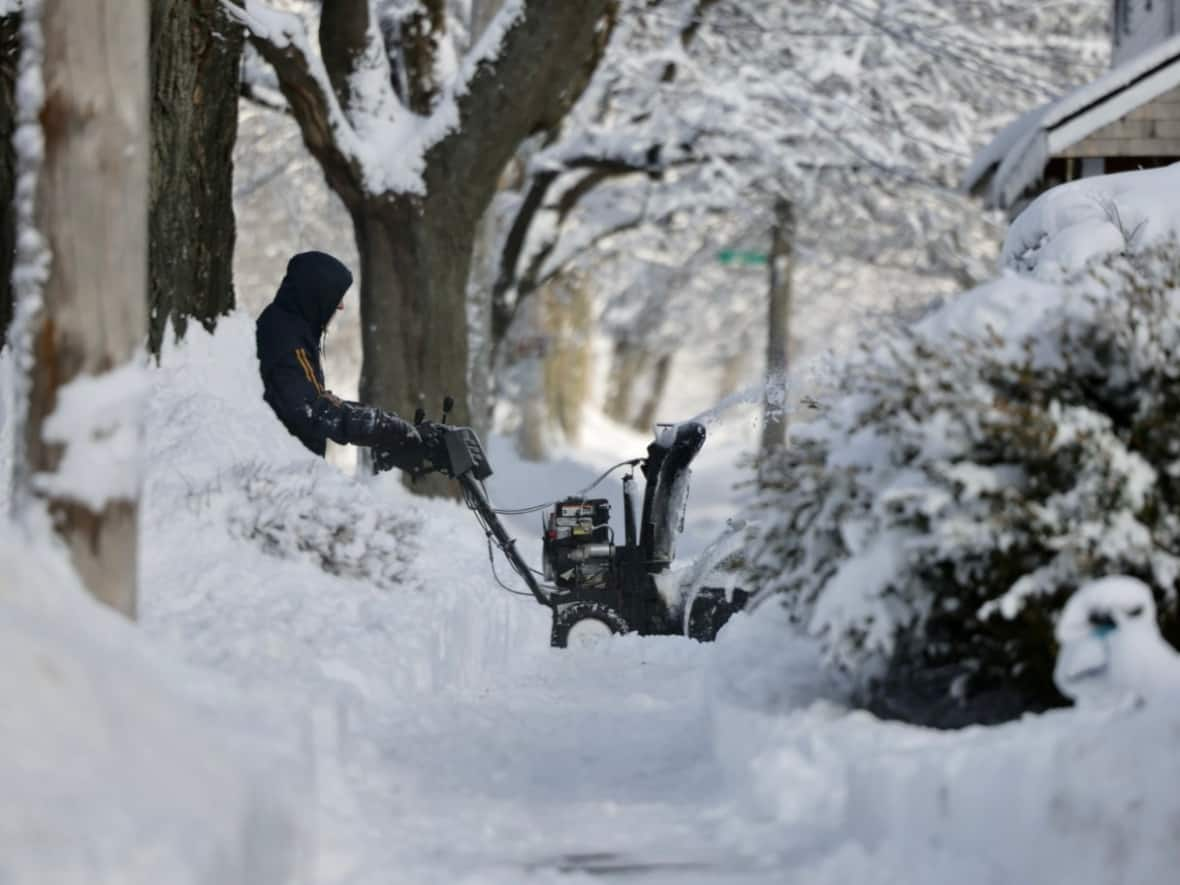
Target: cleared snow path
{"points": [[596, 761], [533, 764], [445, 740]]}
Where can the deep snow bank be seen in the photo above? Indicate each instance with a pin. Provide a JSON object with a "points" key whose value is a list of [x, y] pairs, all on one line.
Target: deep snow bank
{"points": [[114, 770], [267, 562], [1068, 796]]}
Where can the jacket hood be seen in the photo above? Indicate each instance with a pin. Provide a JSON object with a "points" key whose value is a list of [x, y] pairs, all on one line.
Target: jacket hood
{"points": [[313, 288]]}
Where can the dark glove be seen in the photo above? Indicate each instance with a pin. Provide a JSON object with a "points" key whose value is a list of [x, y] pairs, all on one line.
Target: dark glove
{"points": [[397, 433], [427, 454]]}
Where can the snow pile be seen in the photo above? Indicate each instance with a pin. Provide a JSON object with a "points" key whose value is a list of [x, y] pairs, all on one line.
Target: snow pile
{"points": [[1070, 225], [240, 520], [97, 421], [1110, 649], [975, 467], [114, 770], [840, 796]]}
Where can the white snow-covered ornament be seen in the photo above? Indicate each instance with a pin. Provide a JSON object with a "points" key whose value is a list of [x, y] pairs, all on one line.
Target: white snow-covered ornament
{"points": [[1111, 650]]}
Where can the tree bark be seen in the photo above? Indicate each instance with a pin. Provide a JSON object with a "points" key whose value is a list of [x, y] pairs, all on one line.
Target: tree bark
{"points": [[774, 423], [91, 206], [645, 419], [628, 361], [9, 57], [195, 54]]}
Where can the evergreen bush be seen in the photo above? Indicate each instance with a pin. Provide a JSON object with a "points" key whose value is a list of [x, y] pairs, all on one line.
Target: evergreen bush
{"points": [[963, 479]]}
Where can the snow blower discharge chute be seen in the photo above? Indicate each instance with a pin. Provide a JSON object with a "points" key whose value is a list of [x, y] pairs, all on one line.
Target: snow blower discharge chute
{"points": [[593, 585]]}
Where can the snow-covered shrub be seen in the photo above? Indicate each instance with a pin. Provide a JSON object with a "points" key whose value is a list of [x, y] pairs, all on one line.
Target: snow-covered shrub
{"points": [[321, 516], [969, 473]]}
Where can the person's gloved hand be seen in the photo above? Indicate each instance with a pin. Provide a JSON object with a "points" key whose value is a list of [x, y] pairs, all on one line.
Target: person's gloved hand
{"points": [[399, 445], [398, 433]]}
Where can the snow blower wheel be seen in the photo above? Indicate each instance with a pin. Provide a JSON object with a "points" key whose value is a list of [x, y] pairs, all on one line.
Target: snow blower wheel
{"points": [[584, 625]]}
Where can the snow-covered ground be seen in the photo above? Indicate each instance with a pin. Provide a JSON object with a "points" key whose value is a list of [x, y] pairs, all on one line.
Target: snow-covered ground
{"points": [[328, 686]]}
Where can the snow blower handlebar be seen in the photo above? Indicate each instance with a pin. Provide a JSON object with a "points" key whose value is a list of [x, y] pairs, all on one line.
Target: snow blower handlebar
{"points": [[457, 452]]}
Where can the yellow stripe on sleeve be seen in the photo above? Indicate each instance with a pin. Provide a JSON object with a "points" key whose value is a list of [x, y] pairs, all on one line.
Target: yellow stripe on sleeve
{"points": [[301, 355]]}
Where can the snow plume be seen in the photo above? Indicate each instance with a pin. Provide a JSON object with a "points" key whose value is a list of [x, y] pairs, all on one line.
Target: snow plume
{"points": [[971, 470]]}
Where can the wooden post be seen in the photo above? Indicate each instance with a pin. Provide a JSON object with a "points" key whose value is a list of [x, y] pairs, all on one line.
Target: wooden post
{"points": [[91, 207], [774, 424]]}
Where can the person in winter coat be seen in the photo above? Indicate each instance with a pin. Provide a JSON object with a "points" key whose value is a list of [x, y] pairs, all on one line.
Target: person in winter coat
{"points": [[288, 334]]}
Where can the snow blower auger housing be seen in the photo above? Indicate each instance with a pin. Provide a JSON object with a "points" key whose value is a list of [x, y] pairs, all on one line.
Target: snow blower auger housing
{"points": [[594, 585]]}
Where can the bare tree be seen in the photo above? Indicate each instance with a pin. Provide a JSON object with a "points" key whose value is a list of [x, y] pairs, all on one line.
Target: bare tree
{"points": [[415, 155], [91, 207], [195, 56]]}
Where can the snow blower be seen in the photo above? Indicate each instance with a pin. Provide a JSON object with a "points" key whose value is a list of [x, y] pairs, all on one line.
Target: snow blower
{"points": [[593, 585]]}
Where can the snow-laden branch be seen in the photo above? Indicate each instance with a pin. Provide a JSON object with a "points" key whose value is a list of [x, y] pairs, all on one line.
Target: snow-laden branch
{"points": [[354, 164]]}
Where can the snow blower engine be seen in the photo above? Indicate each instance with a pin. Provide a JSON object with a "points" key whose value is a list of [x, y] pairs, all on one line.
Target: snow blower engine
{"points": [[594, 585]]}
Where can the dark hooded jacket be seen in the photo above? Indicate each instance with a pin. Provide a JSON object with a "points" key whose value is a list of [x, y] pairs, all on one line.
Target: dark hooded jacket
{"points": [[288, 335]]}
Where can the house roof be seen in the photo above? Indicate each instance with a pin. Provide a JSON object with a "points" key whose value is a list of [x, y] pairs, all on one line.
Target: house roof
{"points": [[1018, 154]]}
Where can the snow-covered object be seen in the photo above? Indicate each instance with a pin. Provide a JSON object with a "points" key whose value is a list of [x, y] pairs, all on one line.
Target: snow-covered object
{"points": [[1072, 224], [1017, 156], [373, 128], [1110, 648], [99, 417], [835, 795], [972, 468], [113, 769]]}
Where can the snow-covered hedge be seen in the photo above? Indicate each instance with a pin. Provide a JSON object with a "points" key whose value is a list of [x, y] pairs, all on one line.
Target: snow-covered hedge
{"points": [[970, 471], [320, 517]]}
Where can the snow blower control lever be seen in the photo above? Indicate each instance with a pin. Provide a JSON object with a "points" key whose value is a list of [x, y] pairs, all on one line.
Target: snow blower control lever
{"points": [[457, 452], [594, 586]]}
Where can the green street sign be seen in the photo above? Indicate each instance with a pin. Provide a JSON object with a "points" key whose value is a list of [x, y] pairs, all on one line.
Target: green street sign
{"points": [[744, 257]]}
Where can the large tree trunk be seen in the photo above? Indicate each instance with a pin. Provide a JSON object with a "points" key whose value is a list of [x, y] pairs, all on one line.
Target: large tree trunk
{"points": [[416, 250], [414, 266], [194, 119], [9, 57], [413, 300], [91, 206], [778, 318]]}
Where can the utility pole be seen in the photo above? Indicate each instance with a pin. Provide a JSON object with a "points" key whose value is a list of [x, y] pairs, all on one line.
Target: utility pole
{"points": [[782, 238]]}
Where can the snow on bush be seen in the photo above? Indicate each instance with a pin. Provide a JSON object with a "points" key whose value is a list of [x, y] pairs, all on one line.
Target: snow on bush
{"points": [[338, 525], [970, 472], [217, 446]]}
